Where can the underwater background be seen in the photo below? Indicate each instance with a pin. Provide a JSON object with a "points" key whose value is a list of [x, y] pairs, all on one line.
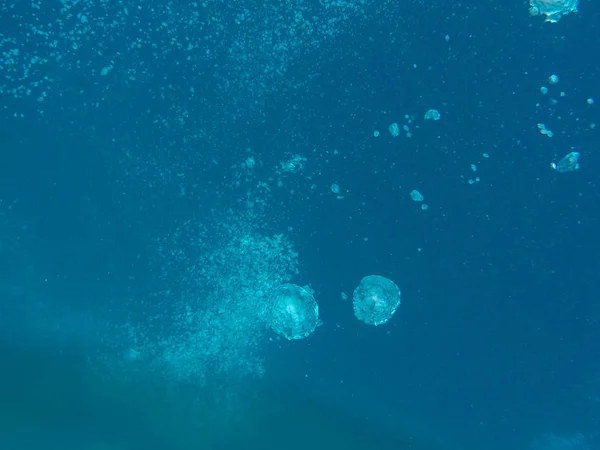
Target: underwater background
{"points": [[167, 165]]}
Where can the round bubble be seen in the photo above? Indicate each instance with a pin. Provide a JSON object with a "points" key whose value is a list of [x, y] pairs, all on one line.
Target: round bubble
{"points": [[376, 299], [292, 312]]}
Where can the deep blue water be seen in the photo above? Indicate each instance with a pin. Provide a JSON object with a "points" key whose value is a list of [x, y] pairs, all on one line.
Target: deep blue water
{"points": [[496, 340]]}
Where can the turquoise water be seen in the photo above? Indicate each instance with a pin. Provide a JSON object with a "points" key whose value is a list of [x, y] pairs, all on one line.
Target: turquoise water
{"points": [[166, 166]]}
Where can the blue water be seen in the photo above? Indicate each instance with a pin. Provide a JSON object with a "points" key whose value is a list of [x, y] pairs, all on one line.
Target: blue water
{"points": [[496, 339]]}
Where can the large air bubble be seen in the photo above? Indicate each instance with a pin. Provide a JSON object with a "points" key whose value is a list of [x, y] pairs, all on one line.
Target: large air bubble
{"points": [[552, 9], [376, 299], [292, 311]]}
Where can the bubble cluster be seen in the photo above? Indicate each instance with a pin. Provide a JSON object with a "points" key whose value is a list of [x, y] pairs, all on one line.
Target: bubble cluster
{"points": [[216, 326], [246, 47]]}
